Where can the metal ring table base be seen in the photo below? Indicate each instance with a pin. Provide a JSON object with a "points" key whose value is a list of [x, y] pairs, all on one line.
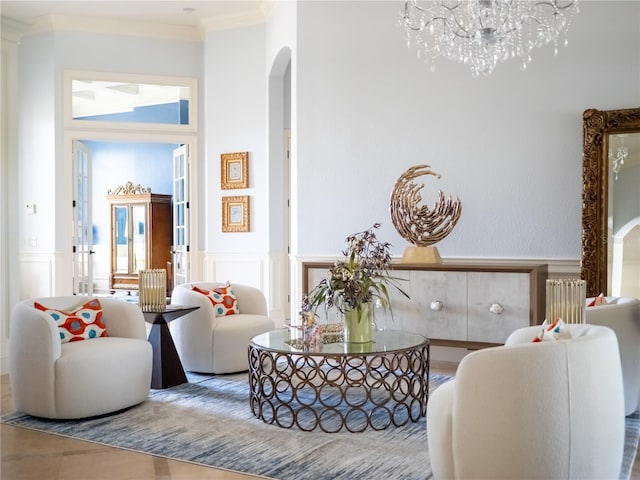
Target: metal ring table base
{"points": [[335, 392]]}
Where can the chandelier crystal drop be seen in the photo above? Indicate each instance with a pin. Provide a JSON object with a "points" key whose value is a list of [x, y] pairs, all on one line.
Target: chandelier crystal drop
{"points": [[481, 33], [617, 161]]}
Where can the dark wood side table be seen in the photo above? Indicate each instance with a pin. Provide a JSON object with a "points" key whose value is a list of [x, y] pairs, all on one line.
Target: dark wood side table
{"points": [[167, 368]]}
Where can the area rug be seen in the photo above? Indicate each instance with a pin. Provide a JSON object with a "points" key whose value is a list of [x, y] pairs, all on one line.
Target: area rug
{"points": [[208, 421]]}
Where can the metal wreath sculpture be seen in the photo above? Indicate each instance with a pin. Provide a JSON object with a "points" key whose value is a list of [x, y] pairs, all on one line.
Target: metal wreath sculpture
{"points": [[416, 223]]}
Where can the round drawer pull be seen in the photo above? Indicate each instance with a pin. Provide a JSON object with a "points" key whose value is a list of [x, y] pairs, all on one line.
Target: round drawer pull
{"points": [[437, 305], [496, 308]]}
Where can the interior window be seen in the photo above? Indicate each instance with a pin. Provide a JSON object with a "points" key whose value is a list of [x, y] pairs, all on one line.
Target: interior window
{"points": [[112, 101]]}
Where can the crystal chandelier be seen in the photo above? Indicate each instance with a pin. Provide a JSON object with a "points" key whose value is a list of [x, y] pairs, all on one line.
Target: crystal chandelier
{"points": [[618, 161], [481, 33]]}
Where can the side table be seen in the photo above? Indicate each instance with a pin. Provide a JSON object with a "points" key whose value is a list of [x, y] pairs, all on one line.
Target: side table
{"points": [[167, 368]]}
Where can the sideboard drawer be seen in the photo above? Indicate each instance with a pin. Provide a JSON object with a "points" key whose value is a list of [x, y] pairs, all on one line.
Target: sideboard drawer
{"points": [[498, 303], [439, 300]]}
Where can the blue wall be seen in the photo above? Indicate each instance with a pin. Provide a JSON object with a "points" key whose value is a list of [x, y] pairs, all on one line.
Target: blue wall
{"points": [[115, 163], [168, 113]]}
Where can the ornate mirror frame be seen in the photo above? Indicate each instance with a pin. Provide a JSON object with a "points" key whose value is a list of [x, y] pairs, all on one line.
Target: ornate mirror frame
{"points": [[597, 126]]}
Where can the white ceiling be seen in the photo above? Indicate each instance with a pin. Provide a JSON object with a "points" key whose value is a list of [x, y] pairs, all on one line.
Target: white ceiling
{"points": [[168, 12]]}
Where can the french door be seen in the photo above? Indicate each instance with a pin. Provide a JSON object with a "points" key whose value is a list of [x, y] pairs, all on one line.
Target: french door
{"points": [[180, 248], [91, 259], [82, 221]]}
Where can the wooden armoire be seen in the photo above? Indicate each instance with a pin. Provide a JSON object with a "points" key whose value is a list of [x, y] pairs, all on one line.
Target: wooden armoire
{"points": [[141, 233]]}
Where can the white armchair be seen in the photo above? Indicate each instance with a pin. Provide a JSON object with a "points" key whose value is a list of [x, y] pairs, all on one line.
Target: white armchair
{"points": [[78, 379], [208, 343], [622, 315], [545, 410]]}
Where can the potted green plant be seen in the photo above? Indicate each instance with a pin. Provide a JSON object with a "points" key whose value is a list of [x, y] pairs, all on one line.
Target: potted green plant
{"points": [[354, 285]]}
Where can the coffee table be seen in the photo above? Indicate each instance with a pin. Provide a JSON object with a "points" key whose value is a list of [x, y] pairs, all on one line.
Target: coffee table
{"points": [[340, 385]]}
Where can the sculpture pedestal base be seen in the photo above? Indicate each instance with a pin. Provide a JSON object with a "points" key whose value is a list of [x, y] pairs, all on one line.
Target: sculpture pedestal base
{"points": [[421, 255]]}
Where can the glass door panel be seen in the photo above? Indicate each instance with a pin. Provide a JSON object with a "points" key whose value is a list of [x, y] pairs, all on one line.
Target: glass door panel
{"points": [[139, 257], [121, 238], [180, 215], [82, 224]]}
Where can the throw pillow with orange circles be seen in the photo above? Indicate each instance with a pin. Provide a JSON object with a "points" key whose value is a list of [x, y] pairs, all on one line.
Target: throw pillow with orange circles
{"points": [[222, 298]]}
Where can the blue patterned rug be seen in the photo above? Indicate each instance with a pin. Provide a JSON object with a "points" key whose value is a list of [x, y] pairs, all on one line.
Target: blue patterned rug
{"points": [[208, 421]]}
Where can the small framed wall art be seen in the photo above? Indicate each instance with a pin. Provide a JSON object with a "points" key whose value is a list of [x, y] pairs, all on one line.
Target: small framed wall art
{"points": [[235, 214], [234, 170]]}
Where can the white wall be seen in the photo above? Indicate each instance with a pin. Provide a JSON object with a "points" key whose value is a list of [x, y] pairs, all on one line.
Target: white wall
{"points": [[509, 145], [235, 112]]}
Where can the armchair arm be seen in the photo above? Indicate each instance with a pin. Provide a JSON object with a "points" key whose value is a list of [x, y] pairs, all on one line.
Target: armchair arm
{"points": [[123, 319], [34, 347], [439, 430], [193, 333], [250, 299]]}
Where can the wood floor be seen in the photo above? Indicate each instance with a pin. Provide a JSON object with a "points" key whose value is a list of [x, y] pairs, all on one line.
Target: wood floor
{"points": [[31, 455]]}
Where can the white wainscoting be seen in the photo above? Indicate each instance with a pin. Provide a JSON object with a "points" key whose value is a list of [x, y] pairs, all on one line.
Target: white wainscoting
{"points": [[36, 277], [37, 273], [261, 271]]}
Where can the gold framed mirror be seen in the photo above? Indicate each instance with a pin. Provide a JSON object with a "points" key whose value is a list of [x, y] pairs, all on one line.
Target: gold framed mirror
{"points": [[598, 126]]}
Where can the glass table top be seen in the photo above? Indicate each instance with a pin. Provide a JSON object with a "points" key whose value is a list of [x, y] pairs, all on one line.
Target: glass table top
{"points": [[289, 340]]}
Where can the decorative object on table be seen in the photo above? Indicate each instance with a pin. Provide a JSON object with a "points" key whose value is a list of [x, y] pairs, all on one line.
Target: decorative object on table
{"points": [[311, 334], [566, 300], [153, 290], [418, 224], [481, 33], [234, 170], [354, 284], [235, 214], [331, 332]]}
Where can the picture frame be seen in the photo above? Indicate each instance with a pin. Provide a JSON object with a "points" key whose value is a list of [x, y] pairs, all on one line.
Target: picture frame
{"points": [[234, 170], [235, 214]]}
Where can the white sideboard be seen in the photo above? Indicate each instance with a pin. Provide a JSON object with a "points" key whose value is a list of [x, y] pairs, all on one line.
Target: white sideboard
{"points": [[459, 305]]}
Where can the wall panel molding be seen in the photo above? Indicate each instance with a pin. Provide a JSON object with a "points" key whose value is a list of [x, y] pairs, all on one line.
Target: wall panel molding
{"points": [[38, 273], [266, 272]]}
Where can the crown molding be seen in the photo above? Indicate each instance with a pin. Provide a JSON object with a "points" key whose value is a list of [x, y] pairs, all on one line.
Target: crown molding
{"points": [[245, 19], [228, 22], [51, 23], [12, 29]]}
